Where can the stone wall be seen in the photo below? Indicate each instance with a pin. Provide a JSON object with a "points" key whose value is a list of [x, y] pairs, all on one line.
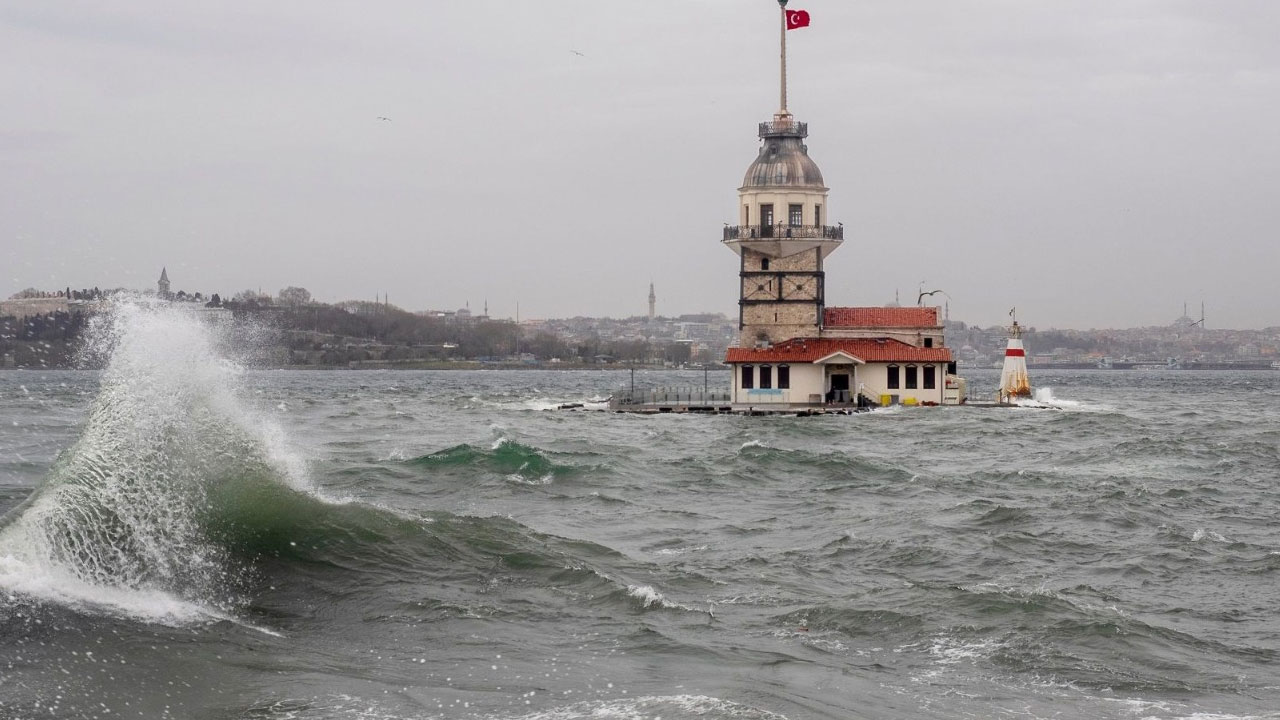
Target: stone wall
{"points": [[792, 321], [807, 261]]}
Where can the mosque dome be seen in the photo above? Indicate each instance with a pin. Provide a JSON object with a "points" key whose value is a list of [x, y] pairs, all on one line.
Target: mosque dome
{"points": [[784, 159]]}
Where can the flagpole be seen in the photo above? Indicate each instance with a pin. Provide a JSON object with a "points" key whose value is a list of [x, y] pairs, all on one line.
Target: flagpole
{"points": [[783, 10]]}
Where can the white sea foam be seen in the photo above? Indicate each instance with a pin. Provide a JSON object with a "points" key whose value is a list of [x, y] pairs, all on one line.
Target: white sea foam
{"points": [[542, 404], [1202, 534], [651, 598], [518, 478], [680, 550], [646, 594], [1044, 398], [1211, 716], [948, 652], [654, 707], [650, 708]]}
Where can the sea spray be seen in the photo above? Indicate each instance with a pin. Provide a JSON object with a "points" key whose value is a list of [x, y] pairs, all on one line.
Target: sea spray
{"points": [[122, 519]]}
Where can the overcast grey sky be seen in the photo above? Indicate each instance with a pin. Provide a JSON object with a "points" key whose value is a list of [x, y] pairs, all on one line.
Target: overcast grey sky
{"points": [[1094, 162]]}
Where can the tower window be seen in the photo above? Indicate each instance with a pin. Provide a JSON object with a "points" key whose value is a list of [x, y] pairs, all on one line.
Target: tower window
{"points": [[748, 377], [911, 377], [817, 215], [930, 377], [795, 215], [764, 263], [766, 377], [784, 377], [746, 214], [928, 342], [766, 214], [891, 380]]}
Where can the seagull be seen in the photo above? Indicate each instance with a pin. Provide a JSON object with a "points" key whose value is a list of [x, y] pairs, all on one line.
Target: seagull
{"points": [[575, 52], [384, 118], [920, 298]]}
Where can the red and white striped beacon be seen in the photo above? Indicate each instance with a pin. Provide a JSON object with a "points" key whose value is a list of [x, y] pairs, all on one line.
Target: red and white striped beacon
{"points": [[1014, 382]]}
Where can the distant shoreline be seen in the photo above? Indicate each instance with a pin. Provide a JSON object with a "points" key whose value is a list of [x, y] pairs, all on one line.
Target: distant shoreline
{"points": [[549, 367], [427, 366]]}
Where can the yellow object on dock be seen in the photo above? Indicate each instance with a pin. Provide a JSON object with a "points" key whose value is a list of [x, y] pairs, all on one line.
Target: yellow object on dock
{"points": [[885, 400]]}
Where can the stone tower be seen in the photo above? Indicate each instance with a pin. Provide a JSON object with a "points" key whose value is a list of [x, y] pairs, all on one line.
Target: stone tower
{"points": [[781, 239], [653, 300], [162, 287]]}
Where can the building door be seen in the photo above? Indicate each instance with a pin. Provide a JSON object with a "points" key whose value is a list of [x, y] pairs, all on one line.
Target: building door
{"points": [[840, 388], [766, 220]]}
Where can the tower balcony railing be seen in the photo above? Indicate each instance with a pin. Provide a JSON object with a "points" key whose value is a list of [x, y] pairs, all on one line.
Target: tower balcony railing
{"points": [[774, 232], [784, 128]]}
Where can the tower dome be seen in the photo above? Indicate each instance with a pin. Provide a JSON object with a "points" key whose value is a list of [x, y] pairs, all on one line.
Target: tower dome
{"points": [[784, 160]]}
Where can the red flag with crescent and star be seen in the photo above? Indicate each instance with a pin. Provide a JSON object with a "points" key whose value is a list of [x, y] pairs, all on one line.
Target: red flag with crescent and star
{"points": [[797, 19]]}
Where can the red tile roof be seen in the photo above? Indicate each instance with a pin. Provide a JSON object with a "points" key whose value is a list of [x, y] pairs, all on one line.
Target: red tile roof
{"points": [[914, 317], [807, 350]]}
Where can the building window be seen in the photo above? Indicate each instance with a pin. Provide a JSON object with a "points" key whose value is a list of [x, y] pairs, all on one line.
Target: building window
{"points": [[766, 377], [911, 377], [766, 214], [795, 215], [817, 215], [784, 377], [928, 342], [892, 379], [764, 263], [930, 377], [746, 214], [748, 377]]}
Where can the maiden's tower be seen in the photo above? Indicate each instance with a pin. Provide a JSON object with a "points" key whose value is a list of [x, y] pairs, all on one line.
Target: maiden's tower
{"points": [[793, 349]]}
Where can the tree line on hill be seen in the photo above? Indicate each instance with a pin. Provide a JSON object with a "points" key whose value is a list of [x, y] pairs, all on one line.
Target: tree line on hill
{"points": [[312, 333], [339, 332]]}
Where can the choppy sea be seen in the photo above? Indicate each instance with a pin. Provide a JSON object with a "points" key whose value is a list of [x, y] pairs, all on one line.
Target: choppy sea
{"points": [[187, 538]]}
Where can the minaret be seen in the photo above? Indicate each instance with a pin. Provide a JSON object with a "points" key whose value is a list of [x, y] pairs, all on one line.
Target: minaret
{"points": [[162, 287], [653, 300], [782, 240]]}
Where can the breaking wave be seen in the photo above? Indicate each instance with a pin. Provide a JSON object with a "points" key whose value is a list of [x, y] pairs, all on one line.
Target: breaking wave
{"points": [[507, 458], [127, 518]]}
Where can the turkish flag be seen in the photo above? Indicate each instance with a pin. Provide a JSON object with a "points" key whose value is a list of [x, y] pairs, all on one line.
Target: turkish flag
{"points": [[797, 19]]}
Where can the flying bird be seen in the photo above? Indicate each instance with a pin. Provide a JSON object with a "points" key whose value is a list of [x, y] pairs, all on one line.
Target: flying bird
{"points": [[575, 52], [384, 118], [920, 298]]}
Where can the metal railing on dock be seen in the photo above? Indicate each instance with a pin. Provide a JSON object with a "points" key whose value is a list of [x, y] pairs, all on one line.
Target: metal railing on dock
{"points": [[626, 398]]}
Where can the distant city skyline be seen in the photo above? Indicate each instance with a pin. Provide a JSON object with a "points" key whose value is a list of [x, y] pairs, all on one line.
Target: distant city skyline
{"points": [[1191, 315], [1096, 164]]}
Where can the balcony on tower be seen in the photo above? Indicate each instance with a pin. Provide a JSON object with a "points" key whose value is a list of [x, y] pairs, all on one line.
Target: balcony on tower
{"points": [[755, 232], [783, 240], [783, 127]]}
